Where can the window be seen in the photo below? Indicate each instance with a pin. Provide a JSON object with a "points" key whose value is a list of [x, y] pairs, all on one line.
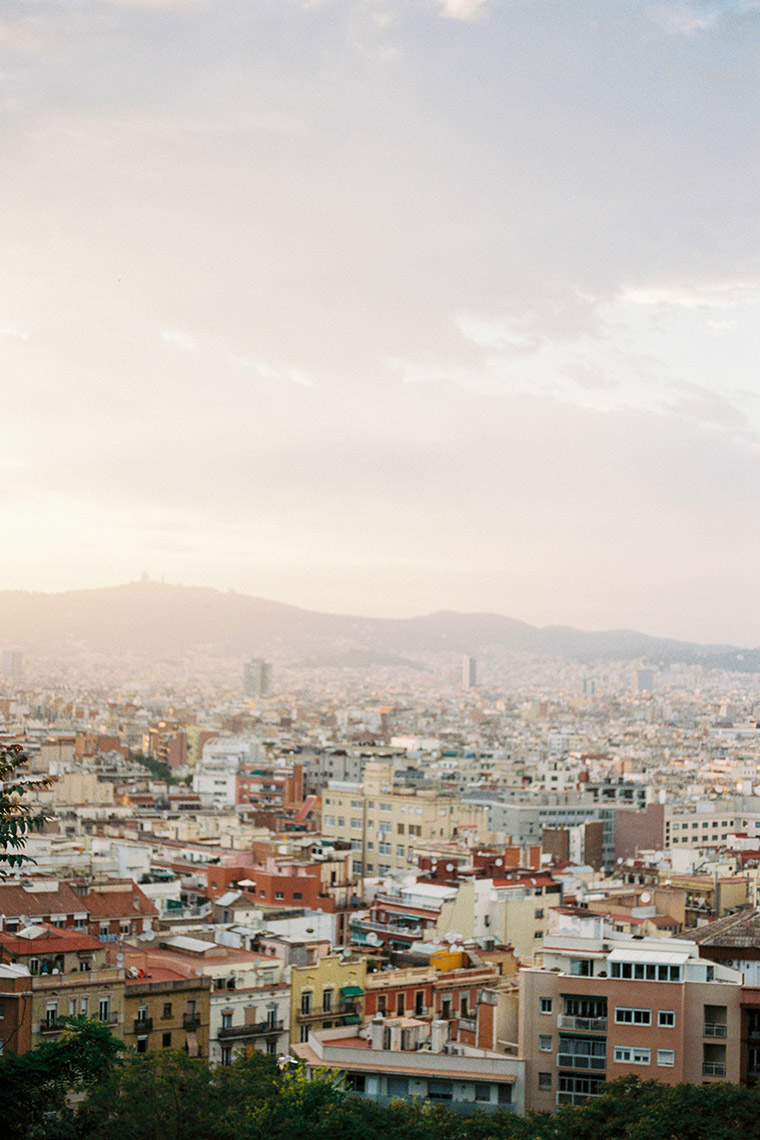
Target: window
{"points": [[666, 1058], [544, 1080], [167, 1009], [400, 850], [83, 1006], [279, 894], [297, 894], [304, 1035], [666, 1018], [104, 1009], [142, 1044], [226, 1053], [306, 1002], [166, 1041], [482, 1091], [398, 1086], [142, 1013], [580, 967], [632, 1055], [384, 849], [226, 1021], [51, 1013], [545, 1042], [545, 1005], [356, 825], [327, 1001], [626, 1016], [439, 1090]]}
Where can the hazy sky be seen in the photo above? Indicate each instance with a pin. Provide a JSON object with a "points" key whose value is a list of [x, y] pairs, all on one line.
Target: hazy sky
{"points": [[386, 305]]}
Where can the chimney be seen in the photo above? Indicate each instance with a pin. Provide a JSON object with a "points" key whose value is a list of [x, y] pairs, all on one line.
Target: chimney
{"points": [[439, 1035], [395, 1035], [376, 1031]]}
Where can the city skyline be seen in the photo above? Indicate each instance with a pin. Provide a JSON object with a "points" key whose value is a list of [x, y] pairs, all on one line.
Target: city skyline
{"points": [[386, 309]]}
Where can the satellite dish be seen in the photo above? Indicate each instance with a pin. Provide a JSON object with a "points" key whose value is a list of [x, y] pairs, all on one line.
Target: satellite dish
{"points": [[646, 897], [373, 939], [499, 862], [449, 866]]}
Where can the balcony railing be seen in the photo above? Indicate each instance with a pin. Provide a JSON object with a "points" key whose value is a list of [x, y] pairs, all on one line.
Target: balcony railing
{"points": [[241, 1032], [574, 1097], [191, 1021], [580, 1061], [143, 1025], [583, 1024], [50, 1026], [714, 1029], [714, 1068]]}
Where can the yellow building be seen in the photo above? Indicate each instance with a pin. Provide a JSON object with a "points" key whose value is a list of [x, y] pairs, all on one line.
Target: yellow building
{"points": [[384, 823], [165, 1010], [327, 994]]}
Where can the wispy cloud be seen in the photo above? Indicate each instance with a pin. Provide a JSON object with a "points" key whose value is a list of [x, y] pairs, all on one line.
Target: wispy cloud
{"points": [[465, 10], [180, 339], [275, 373]]}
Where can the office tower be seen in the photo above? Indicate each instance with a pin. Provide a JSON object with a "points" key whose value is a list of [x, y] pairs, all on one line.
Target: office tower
{"points": [[643, 680], [469, 672], [12, 663], [257, 678]]}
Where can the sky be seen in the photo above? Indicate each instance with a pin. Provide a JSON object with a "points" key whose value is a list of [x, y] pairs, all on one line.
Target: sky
{"points": [[386, 306]]}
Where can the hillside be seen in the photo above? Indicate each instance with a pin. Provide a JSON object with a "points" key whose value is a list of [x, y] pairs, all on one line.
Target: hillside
{"points": [[158, 619]]}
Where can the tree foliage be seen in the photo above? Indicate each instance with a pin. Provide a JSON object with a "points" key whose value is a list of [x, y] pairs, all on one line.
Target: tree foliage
{"points": [[81, 1087], [17, 817]]}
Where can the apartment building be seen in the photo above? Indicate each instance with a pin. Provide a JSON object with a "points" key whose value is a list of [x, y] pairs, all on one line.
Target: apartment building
{"points": [[403, 1058], [383, 823], [602, 1006], [164, 1009], [58, 974], [327, 993]]}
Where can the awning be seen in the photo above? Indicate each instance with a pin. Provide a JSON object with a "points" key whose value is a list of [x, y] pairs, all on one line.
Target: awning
{"points": [[351, 991], [191, 1044], [352, 1019]]}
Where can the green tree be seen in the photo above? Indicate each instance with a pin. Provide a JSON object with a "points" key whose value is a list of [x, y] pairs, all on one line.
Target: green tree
{"points": [[17, 817], [39, 1089]]}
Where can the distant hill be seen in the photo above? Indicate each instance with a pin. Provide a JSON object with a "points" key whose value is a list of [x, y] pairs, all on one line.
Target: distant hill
{"points": [[158, 620]]}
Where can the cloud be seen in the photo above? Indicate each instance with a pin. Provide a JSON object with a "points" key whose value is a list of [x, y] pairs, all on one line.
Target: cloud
{"points": [[685, 19], [693, 295], [180, 339], [274, 373], [465, 10]]}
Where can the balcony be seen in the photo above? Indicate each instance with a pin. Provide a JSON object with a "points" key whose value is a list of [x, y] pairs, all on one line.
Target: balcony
{"points": [[580, 1061], [468, 1024], [143, 1025], [714, 1029], [583, 1024], [244, 1032], [714, 1069], [191, 1021], [575, 1097], [51, 1026]]}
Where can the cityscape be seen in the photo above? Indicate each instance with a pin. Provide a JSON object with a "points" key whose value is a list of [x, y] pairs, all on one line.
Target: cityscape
{"points": [[508, 881], [379, 625]]}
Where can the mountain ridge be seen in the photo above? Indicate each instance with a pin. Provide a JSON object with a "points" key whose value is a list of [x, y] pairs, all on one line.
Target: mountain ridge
{"points": [[157, 618]]}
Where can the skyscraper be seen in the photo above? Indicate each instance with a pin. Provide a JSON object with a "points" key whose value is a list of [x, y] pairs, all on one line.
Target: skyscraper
{"points": [[469, 672], [257, 678]]}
